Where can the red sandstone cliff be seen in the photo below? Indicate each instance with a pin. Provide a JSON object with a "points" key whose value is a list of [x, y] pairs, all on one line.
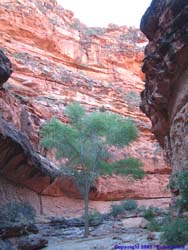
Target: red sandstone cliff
{"points": [[57, 60]]}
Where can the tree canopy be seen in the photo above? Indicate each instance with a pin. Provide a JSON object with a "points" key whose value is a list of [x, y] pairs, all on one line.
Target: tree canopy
{"points": [[84, 143], [86, 140]]}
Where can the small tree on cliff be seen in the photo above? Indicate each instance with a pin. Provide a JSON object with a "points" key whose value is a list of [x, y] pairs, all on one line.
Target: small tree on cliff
{"points": [[84, 144]]}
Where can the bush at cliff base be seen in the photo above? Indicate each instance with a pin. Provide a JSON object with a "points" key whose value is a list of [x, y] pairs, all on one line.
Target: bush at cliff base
{"points": [[14, 212], [130, 205], [175, 233]]}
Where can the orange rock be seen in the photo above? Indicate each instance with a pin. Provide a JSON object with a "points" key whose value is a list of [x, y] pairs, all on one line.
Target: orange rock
{"points": [[58, 60]]}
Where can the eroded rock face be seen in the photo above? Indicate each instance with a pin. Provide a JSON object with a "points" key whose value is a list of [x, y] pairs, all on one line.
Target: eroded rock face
{"points": [[5, 68], [20, 163], [165, 98], [57, 60]]}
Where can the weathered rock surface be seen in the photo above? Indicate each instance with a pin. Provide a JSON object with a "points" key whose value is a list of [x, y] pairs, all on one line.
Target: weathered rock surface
{"points": [[135, 222], [20, 163], [32, 242], [165, 98], [5, 245], [57, 60], [5, 68], [16, 230]]}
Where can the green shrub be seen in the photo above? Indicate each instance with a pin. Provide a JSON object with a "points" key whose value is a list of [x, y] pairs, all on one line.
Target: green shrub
{"points": [[183, 187], [17, 212], [179, 181], [141, 209], [95, 218], [130, 205], [175, 233], [116, 210], [130, 166], [149, 214], [154, 226]]}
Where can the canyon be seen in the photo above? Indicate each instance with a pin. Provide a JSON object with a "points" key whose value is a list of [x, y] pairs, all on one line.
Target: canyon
{"points": [[56, 60]]}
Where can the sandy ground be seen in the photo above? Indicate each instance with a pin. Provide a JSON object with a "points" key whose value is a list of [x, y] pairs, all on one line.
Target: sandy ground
{"points": [[128, 241]]}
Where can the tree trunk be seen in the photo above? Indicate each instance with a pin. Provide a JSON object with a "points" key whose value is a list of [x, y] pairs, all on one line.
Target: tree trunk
{"points": [[86, 200]]}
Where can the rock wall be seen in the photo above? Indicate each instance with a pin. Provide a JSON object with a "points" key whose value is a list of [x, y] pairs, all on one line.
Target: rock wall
{"points": [[57, 60], [165, 98]]}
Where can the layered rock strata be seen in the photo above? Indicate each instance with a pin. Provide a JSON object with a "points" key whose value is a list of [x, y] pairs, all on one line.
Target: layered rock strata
{"points": [[57, 60], [165, 98]]}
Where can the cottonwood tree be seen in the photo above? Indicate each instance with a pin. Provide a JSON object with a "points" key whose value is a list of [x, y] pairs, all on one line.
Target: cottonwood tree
{"points": [[85, 143]]}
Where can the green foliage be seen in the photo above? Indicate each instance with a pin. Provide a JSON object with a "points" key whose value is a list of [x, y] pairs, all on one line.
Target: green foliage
{"points": [[175, 233], [183, 187], [95, 218], [75, 112], [60, 136], [86, 140], [179, 181], [116, 210], [127, 205], [84, 145], [17, 212], [154, 226], [149, 214], [130, 205], [173, 184], [129, 166]]}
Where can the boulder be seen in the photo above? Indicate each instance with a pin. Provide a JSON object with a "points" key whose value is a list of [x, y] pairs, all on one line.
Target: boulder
{"points": [[135, 222], [16, 230], [12, 230], [32, 242], [63, 223]]}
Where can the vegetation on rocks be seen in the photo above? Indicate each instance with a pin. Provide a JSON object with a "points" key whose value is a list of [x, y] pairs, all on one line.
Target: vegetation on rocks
{"points": [[179, 183], [17, 212], [116, 210], [154, 226], [149, 214], [175, 232], [127, 205], [85, 143], [95, 218]]}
